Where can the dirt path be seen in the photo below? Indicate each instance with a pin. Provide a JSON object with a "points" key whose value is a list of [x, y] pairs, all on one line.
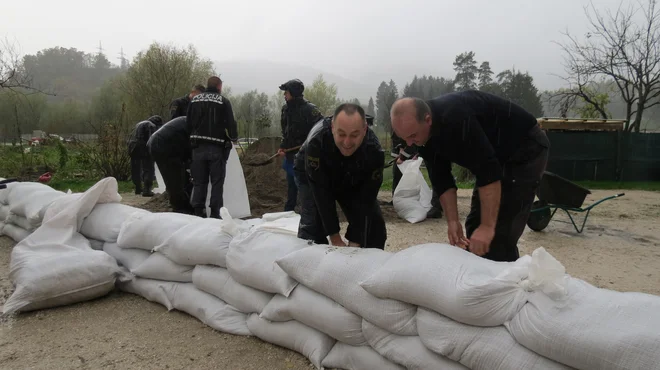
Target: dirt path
{"points": [[619, 249]]}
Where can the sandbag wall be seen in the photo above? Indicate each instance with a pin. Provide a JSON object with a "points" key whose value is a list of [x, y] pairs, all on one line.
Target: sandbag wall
{"points": [[431, 306]]}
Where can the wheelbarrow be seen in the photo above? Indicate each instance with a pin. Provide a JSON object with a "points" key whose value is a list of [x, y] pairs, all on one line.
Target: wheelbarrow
{"points": [[556, 192]]}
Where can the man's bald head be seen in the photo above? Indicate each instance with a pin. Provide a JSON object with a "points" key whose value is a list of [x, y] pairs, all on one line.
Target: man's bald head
{"points": [[411, 120]]}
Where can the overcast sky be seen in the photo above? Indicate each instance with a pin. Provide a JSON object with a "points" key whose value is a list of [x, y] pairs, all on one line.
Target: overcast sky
{"points": [[349, 38]]}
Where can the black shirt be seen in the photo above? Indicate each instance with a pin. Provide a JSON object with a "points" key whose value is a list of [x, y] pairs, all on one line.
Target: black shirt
{"points": [[210, 117], [171, 141], [179, 107], [476, 130]]}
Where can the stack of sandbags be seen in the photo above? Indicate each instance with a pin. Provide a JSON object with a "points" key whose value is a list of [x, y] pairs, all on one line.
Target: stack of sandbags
{"points": [[22, 207]]}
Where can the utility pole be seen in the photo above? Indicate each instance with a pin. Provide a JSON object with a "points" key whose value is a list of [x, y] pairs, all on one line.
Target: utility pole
{"points": [[100, 48], [122, 58]]}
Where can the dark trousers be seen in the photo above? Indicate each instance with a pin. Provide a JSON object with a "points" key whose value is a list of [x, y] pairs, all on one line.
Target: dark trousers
{"points": [[175, 177], [311, 226], [142, 172], [292, 191], [521, 177], [208, 160]]}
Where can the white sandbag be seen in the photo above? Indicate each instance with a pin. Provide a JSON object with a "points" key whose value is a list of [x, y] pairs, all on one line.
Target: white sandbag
{"points": [[159, 267], [208, 309], [22, 222], [336, 272], [461, 285], [96, 245], [478, 348], [55, 265], [104, 223], [157, 291], [407, 351], [281, 222], [4, 211], [4, 194], [33, 204], [17, 233], [63, 203], [17, 191], [217, 281], [347, 357], [293, 335], [130, 258], [592, 328], [205, 242], [251, 260], [317, 311], [147, 230], [412, 196]]}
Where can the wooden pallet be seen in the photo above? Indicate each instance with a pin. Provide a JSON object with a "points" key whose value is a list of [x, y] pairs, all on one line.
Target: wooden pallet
{"points": [[578, 124]]}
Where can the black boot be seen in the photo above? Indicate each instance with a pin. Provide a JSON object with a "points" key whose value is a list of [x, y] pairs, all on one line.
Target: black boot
{"points": [[138, 189], [434, 212], [200, 212], [147, 190]]}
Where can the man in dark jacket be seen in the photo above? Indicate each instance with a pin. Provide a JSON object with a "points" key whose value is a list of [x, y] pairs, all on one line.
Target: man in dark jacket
{"points": [[179, 107], [170, 148], [499, 142], [212, 130], [142, 165], [341, 161], [298, 117]]}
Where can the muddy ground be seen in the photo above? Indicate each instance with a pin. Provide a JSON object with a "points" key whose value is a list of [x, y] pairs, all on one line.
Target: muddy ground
{"points": [[619, 249]]}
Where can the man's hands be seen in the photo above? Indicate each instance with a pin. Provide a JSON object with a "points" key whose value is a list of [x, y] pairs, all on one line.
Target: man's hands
{"points": [[280, 152], [480, 240], [337, 241], [455, 234]]}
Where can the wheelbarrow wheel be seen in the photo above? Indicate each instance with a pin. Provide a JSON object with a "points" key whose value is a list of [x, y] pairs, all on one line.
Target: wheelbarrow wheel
{"points": [[539, 220]]}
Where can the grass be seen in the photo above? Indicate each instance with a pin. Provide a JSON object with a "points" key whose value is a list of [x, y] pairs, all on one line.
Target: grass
{"points": [[81, 185]]}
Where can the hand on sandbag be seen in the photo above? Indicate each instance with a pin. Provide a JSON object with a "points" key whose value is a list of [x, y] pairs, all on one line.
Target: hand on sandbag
{"points": [[480, 240], [455, 234], [353, 244], [337, 241]]}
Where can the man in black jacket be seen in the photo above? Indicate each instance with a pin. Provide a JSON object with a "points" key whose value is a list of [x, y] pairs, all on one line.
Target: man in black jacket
{"points": [[179, 107], [142, 165], [341, 161], [170, 148], [499, 142], [298, 117], [212, 130]]}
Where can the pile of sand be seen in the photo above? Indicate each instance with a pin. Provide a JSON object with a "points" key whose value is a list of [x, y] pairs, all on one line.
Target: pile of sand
{"points": [[158, 203]]}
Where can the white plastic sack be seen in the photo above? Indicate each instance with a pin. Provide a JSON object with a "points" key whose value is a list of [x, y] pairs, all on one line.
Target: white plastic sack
{"points": [[130, 258], [204, 242], [293, 335], [281, 222], [159, 267], [209, 309], [592, 328], [478, 348], [22, 222], [319, 312], [33, 204], [251, 260], [217, 281], [336, 272], [4, 211], [104, 223], [17, 191], [461, 285], [147, 230], [344, 356], [408, 351], [412, 196], [4, 194], [17, 233], [157, 291], [96, 245], [55, 265]]}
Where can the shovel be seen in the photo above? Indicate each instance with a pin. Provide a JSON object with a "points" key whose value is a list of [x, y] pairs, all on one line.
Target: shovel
{"points": [[269, 160]]}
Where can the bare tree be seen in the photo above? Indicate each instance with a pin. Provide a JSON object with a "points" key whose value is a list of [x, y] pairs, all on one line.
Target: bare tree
{"points": [[622, 46], [13, 76]]}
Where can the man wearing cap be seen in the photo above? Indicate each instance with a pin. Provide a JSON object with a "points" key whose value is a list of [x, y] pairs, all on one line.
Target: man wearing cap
{"points": [[298, 118], [179, 107]]}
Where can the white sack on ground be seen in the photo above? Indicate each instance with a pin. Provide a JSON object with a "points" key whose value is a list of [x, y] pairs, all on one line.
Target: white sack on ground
{"points": [[592, 328], [4, 211], [293, 335], [147, 230], [104, 223], [463, 286], [281, 222], [336, 272], [4, 194], [412, 196], [217, 281], [159, 267], [130, 258], [32, 205], [96, 245], [17, 233], [204, 242], [55, 265], [251, 260], [347, 357], [157, 291], [18, 191], [208, 309], [319, 312], [478, 348], [408, 351], [22, 222], [63, 202]]}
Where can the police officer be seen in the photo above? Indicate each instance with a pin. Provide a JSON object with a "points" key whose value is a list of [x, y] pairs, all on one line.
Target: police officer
{"points": [[212, 129], [499, 142], [298, 117], [142, 165], [341, 161], [170, 148], [179, 106]]}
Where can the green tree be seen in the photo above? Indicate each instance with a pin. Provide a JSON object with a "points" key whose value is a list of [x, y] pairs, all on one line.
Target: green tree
{"points": [[252, 113], [385, 97], [466, 71], [521, 90], [323, 95]]}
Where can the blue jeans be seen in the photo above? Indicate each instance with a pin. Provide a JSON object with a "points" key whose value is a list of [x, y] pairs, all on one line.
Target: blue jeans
{"points": [[292, 193]]}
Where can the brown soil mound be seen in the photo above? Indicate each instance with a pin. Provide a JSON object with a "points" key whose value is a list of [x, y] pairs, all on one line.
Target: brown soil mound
{"points": [[158, 203]]}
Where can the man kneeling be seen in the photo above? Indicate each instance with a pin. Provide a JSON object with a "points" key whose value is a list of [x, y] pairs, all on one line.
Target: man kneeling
{"points": [[341, 161]]}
